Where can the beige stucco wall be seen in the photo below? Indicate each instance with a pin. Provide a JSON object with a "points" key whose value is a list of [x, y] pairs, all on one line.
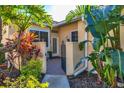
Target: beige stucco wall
{"points": [[42, 57], [69, 58], [77, 54], [73, 55], [65, 31], [81, 30], [7, 33]]}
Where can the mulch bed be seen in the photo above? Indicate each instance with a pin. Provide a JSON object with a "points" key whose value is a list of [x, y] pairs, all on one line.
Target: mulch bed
{"points": [[85, 81], [5, 73]]}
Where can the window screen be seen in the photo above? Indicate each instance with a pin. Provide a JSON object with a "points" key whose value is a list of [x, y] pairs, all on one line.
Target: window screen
{"points": [[74, 36], [42, 36]]}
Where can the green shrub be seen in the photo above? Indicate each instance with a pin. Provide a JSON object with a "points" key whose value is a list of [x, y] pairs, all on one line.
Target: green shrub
{"points": [[32, 82], [32, 68], [29, 77], [2, 56], [24, 82]]}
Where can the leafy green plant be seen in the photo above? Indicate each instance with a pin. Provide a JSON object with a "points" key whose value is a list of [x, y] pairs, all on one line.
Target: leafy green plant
{"points": [[33, 67], [26, 50], [29, 77], [30, 74], [22, 17], [24, 82], [100, 22], [33, 83], [82, 44]]}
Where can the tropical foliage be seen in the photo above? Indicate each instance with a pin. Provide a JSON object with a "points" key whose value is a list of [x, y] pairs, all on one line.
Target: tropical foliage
{"points": [[107, 58], [26, 50], [24, 82], [29, 77], [20, 45], [32, 68], [22, 17]]}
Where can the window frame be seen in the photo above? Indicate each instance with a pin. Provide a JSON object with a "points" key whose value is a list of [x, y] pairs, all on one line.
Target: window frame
{"points": [[71, 35], [42, 30]]}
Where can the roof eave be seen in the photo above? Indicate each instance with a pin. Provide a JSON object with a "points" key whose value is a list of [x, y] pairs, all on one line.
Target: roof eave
{"points": [[64, 22]]}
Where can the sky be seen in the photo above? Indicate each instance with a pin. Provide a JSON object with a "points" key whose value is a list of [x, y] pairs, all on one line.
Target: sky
{"points": [[59, 12]]}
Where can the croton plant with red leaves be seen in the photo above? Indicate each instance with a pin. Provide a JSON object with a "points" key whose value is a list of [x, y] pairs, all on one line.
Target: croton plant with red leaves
{"points": [[25, 47]]}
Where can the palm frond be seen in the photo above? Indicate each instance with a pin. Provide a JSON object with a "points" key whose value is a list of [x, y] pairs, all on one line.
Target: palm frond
{"points": [[22, 15], [78, 12]]}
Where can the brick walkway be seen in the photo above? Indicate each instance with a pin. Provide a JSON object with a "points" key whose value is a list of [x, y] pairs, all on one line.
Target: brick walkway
{"points": [[54, 67]]}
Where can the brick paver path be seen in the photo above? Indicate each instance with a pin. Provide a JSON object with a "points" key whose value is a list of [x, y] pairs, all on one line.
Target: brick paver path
{"points": [[54, 67]]}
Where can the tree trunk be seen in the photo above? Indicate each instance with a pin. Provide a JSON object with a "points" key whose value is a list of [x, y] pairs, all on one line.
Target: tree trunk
{"points": [[0, 29]]}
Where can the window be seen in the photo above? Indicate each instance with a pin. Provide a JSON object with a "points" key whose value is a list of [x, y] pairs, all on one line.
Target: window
{"points": [[74, 36], [42, 36], [54, 45]]}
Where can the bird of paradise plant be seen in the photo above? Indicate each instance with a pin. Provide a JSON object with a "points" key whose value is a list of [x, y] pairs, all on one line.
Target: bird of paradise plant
{"points": [[101, 20]]}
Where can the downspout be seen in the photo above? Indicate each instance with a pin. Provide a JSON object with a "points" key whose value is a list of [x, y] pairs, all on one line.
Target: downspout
{"points": [[84, 61], [86, 48]]}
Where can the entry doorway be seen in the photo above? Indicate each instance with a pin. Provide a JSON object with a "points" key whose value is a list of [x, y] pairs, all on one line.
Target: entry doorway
{"points": [[63, 56], [55, 47]]}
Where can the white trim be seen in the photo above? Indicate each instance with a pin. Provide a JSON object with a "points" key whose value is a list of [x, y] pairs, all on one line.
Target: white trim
{"points": [[86, 54], [43, 30], [86, 45], [56, 36], [71, 32]]}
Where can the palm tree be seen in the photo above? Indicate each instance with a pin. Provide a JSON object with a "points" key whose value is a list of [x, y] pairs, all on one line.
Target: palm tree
{"points": [[78, 12]]}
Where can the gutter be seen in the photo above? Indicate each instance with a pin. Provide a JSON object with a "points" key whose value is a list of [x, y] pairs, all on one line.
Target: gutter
{"points": [[84, 61], [85, 65]]}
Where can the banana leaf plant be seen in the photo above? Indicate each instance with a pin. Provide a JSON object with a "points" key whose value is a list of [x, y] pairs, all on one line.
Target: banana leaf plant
{"points": [[107, 60], [108, 20]]}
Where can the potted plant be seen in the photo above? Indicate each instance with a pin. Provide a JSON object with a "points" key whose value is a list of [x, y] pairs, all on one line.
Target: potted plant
{"points": [[50, 54]]}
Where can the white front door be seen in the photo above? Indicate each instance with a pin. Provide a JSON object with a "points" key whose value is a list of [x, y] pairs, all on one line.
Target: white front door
{"points": [[55, 47]]}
